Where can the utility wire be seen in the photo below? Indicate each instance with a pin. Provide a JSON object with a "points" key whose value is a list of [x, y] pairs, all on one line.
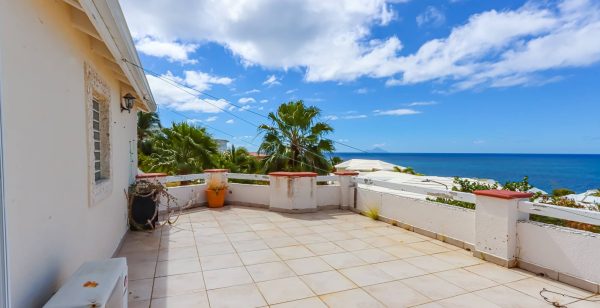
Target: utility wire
{"points": [[186, 89]]}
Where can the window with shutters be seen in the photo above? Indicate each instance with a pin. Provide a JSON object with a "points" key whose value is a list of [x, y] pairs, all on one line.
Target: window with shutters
{"points": [[100, 140]]}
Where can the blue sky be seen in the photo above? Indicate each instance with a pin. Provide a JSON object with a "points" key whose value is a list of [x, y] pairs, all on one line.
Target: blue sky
{"points": [[406, 76]]}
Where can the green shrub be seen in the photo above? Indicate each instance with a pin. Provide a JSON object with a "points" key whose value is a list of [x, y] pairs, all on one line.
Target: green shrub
{"points": [[522, 186], [465, 185], [559, 192]]}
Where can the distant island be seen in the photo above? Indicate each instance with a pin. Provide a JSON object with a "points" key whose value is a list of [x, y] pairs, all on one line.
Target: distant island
{"points": [[377, 150]]}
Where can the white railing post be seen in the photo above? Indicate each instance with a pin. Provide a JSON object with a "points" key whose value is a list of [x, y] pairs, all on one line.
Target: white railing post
{"points": [[216, 176], [496, 216], [150, 177], [293, 192], [347, 187]]}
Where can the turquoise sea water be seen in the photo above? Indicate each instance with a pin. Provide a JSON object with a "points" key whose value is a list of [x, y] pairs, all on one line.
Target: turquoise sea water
{"points": [[545, 171]]}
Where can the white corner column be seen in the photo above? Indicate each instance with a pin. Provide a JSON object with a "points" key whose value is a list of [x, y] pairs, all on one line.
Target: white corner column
{"points": [[496, 216], [293, 192], [347, 188], [216, 176]]}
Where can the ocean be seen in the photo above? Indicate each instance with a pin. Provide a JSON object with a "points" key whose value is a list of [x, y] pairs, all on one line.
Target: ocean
{"points": [[578, 172]]}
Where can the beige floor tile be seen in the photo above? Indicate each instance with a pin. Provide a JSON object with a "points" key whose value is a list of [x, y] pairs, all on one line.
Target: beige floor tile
{"points": [[271, 233], [324, 248], [311, 302], [139, 256], [176, 242], [553, 284], [323, 229], [458, 258], [310, 239], [396, 294], [215, 249], [298, 231], [362, 233], [433, 287], [366, 275], [338, 236], [250, 245], [496, 273], [263, 226], [351, 298], [140, 290], [293, 252], [402, 251], [400, 269], [374, 255], [258, 256], [141, 270], [178, 285], [430, 264], [196, 300], [381, 241], [308, 265], [507, 297], [236, 228], [428, 247], [284, 290], [466, 280], [176, 267], [405, 237], [236, 296], [211, 240], [207, 231], [353, 244], [220, 261], [343, 260], [226, 277], [243, 236], [589, 302], [327, 282], [269, 271], [278, 242], [177, 253], [468, 300], [348, 227]]}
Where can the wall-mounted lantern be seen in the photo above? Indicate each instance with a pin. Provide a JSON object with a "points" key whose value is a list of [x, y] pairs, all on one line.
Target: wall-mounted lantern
{"points": [[127, 103]]}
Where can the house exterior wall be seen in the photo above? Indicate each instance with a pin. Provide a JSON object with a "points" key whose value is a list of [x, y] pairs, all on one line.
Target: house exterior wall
{"points": [[52, 226]]}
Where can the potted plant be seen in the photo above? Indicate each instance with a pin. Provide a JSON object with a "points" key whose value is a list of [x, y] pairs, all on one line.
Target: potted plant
{"points": [[143, 202], [215, 193]]}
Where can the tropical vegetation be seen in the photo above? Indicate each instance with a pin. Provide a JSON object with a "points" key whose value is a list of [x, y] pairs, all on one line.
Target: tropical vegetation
{"points": [[295, 140]]}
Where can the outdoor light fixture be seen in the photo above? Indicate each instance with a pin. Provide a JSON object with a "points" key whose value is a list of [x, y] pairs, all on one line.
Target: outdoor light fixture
{"points": [[128, 100]]}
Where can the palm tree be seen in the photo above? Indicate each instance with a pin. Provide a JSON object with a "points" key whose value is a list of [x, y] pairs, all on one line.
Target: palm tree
{"points": [[295, 140], [182, 149], [238, 160], [148, 124]]}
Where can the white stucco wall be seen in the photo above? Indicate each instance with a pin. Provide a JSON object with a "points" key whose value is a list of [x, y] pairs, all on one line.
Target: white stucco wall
{"points": [[451, 221], [247, 194], [328, 195], [563, 250], [52, 229], [184, 194]]}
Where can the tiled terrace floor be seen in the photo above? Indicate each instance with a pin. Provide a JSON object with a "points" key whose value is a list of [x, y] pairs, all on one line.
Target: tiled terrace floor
{"points": [[246, 257]]}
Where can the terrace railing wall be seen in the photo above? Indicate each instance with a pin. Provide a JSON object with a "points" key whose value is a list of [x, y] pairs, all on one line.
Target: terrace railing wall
{"points": [[498, 229]]}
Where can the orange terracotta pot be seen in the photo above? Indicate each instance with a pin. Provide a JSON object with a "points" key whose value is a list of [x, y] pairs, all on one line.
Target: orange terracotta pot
{"points": [[215, 198]]}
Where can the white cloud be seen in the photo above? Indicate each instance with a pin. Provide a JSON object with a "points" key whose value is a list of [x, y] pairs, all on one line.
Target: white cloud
{"points": [[179, 99], [424, 103], [252, 91], [262, 101], [333, 41], [203, 81], [361, 91], [349, 116], [290, 91], [211, 119], [330, 118], [395, 112], [173, 51], [271, 81], [431, 17], [246, 100], [230, 121]]}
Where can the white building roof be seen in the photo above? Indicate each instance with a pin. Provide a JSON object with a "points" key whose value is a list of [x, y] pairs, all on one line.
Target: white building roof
{"points": [[366, 165]]}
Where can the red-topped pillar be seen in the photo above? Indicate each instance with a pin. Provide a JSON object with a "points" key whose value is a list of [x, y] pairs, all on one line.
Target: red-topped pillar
{"points": [[347, 188], [496, 216]]}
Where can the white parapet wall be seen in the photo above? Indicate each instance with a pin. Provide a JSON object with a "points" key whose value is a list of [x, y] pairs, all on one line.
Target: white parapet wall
{"points": [[328, 196], [448, 222], [187, 195], [566, 253], [248, 194]]}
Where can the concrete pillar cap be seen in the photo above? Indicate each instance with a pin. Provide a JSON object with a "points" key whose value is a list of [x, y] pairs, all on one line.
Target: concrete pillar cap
{"points": [[503, 194]]}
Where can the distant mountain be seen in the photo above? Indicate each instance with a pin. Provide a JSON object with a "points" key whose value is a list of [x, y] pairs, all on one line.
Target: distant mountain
{"points": [[377, 150]]}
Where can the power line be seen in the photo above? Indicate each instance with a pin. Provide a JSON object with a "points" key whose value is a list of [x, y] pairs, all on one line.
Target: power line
{"points": [[184, 88]]}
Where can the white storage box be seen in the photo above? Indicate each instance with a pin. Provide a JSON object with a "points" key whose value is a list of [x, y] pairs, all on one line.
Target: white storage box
{"points": [[94, 284]]}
